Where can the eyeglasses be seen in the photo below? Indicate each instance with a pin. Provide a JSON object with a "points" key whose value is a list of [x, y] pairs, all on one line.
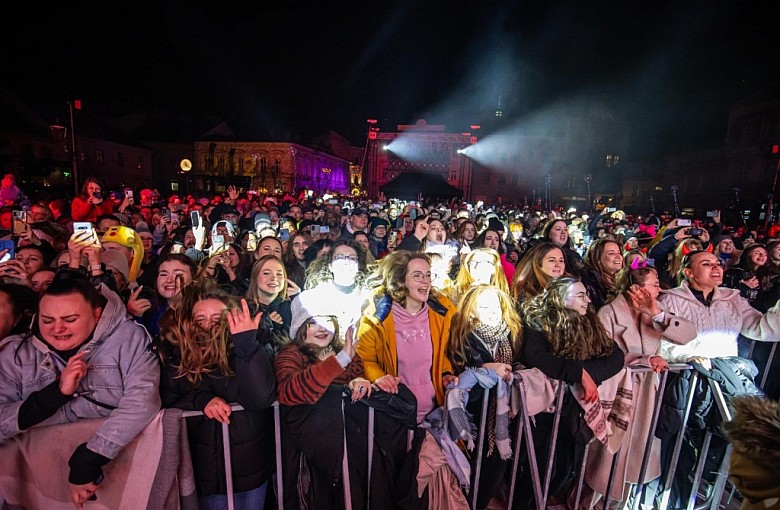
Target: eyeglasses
{"points": [[421, 277], [351, 258]]}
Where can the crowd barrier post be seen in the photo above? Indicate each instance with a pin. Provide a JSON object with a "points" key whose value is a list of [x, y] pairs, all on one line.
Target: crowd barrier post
{"points": [[278, 441], [768, 364], [725, 412], [524, 434], [678, 442], [640, 486], [225, 452], [345, 466], [553, 441], [370, 435], [480, 447]]}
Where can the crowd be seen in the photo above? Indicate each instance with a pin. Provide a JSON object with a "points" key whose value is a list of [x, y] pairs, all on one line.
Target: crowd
{"points": [[118, 303]]}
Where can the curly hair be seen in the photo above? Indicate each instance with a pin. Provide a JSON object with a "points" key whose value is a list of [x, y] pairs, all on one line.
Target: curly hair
{"points": [[392, 271], [465, 320], [202, 351], [570, 335], [529, 279], [318, 271]]}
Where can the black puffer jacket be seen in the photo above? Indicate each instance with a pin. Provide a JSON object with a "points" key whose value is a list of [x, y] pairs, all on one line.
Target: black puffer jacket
{"points": [[251, 431]]}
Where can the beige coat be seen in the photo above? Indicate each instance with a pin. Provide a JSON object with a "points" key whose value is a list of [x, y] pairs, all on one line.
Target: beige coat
{"points": [[640, 338]]}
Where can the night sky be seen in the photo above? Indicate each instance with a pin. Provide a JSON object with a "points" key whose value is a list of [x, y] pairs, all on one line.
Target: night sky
{"points": [[672, 69]]}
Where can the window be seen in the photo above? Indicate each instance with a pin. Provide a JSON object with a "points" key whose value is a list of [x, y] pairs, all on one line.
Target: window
{"points": [[100, 157], [501, 180], [140, 163]]}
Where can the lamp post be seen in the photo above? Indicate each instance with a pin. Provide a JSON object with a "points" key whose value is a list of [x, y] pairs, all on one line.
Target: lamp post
{"points": [[73, 156]]}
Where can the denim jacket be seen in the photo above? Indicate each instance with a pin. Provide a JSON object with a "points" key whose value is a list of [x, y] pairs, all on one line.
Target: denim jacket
{"points": [[121, 383]]}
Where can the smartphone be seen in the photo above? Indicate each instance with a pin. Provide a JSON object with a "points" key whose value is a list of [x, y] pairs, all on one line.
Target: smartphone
{"points": [[78, 226], [195, 218], [20, 222], [217, 242], [165, 212], [98, 195], [128, 193], [324, 229], [284, 234], [251, 242], [333, 201], [683, 222], [747, 275], [7, 244], [712, 214], [413, 214], [394, 235]]}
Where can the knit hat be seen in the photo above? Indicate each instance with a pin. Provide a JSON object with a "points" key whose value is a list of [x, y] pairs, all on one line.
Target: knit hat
{"points": [[142, 227], [115, 261], [723, 237], [304, 307], [262, 219], [376, 222]]}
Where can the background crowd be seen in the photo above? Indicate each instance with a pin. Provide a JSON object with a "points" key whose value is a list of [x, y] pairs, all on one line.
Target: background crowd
{"points": [[235, 297]]}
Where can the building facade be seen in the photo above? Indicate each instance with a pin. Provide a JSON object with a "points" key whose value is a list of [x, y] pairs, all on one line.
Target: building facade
{"points": [[268, 167]]}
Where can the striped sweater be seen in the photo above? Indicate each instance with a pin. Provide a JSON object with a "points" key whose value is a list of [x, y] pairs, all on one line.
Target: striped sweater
{"points": [[301, 381]]}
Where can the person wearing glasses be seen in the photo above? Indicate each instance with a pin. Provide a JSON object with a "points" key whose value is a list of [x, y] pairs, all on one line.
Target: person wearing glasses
{"points": [[636, 322], [336, 283], [404, 332]]}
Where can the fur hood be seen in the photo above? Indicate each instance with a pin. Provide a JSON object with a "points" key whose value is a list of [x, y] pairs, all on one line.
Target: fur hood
{"points": [[755, 430]]}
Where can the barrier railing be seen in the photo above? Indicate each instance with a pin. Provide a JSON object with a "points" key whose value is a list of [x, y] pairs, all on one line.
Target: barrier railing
{"points": [[524, 436]]}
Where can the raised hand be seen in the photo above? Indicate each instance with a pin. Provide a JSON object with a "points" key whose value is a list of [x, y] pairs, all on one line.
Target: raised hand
{"points": [[240, 320], [292, 289], [643, 301], [421, 229], [137, 306]]}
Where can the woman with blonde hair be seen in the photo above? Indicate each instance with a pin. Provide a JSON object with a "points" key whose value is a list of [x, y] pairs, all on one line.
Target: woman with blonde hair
{"points": [[539, 265], [486, 332], [211, 359], [480, 266]]}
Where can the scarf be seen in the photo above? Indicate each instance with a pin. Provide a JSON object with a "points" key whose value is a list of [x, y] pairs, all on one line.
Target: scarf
{"points": [[492, 336]]}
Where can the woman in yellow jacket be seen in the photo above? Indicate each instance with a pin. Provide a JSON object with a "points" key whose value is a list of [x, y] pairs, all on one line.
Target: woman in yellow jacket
{"points": [[404, 332]]}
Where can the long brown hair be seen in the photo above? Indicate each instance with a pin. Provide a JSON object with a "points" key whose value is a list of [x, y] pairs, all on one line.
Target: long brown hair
{"points": [[569, 334], [202, 351], [465, 320], [592, 259], [529, 279]]}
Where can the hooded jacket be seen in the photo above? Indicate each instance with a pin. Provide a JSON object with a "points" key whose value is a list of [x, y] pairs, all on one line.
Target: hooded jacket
{"points": [[377, 341], [755, 461], [122, 373]]}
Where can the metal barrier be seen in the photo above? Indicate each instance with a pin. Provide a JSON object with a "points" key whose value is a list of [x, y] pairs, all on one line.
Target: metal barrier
{"points": [[524, 434]]}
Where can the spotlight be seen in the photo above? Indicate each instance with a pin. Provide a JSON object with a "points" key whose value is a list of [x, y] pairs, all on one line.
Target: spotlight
{"points": [[460, 151], [384, 147]]}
